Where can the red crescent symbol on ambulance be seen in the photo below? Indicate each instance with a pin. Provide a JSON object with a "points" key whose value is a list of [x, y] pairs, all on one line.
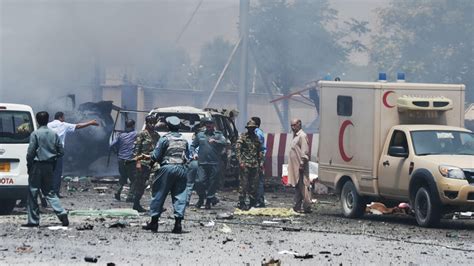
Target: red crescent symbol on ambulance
{"points": [[384, 99], [344, 125]]}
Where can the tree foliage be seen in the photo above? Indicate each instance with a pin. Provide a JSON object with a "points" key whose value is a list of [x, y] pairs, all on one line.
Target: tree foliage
{"points": [[432, 41], [298, 41]]}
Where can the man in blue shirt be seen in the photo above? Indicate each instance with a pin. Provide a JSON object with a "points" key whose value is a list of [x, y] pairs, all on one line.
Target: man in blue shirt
{"points": [[261, 183], [125, 144]]}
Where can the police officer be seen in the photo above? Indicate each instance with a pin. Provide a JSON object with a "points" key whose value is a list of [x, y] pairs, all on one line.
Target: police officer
{"points": [[211, 143], [144, 145], [44, 149], [250, 155], [172, 153]]}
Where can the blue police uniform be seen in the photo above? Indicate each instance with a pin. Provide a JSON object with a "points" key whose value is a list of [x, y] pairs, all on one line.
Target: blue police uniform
{"points": [[172, 153]]}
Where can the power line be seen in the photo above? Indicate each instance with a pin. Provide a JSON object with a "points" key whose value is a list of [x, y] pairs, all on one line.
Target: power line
{"points": [[189, 21]]}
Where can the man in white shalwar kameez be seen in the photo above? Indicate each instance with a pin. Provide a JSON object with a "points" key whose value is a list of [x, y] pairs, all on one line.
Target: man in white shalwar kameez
{"points": [[298, 168]]}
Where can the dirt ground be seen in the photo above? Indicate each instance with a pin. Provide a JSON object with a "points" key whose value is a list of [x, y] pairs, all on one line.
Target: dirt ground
{"points": [[326, 236]]}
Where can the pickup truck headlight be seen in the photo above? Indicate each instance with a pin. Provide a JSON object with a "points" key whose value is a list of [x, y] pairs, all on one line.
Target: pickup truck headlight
{"points": [[451, 172]]}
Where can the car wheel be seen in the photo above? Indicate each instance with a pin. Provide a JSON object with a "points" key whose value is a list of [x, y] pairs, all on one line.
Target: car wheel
{"points": [[6, 206], [427, 212], [352, 203]]}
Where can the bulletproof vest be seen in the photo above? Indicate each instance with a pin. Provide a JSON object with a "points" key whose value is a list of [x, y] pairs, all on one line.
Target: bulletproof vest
{"points": [[176, 152]]}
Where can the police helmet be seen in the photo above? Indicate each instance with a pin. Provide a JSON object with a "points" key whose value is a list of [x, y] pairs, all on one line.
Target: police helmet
{"points": [[173, 121]]}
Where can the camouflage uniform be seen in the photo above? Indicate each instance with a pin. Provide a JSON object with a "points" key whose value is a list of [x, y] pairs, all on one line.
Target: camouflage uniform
{"points": [[145, 144], [249, 153]]}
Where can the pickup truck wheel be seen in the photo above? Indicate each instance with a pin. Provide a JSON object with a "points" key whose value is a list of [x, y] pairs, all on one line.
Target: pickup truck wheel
{"points": [[6, 206], [427, 212], [352, 203]]}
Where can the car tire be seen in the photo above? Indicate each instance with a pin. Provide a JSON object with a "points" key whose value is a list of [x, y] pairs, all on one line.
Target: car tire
{"points": [[6, 206], [427, 210], [353, 205]]}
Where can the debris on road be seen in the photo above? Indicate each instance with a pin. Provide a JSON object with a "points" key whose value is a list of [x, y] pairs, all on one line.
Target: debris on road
{"points": [[58, 227], [227, 239], [119, 224], [287, 252], [106, 213], [225, 229], [325, 252], [305, 256], [211, 223], [101, 189], [277, 212], [271, 262], [24, 249], [378, 208], [291, 229], [225, 216], [90, 259], [463, 215], [86, 226], [269, 222]]}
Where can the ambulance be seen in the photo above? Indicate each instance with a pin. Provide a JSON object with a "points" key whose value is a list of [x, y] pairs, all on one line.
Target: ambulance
{"points": [[17, 122], [396, 142]]}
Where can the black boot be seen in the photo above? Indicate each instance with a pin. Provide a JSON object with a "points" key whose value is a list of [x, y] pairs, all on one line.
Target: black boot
{"points": [[117, 196], [253, 203], [152, 225], [64, 220], [214, 201], [199, 203], [138, 207], [208, 204], [178, 229], [241, 205]]}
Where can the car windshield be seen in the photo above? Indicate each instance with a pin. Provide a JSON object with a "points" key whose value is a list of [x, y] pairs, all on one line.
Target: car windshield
{"points": [[15, 127], [429, 142], [189, 122]]}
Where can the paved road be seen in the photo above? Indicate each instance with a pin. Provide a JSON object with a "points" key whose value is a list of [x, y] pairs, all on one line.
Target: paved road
{"points": [[325, 234]]}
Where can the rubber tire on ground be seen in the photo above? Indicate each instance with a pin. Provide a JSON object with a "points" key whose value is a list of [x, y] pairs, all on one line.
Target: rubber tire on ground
{"points": [[353, 205], [6, 206], [433, 209]]}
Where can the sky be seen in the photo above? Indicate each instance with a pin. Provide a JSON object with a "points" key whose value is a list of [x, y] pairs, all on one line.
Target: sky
{"points": [[48, 48]]}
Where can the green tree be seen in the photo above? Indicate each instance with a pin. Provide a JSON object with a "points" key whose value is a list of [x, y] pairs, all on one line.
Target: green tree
{"points": [[293, 41], [432, 41], [296, 41]]}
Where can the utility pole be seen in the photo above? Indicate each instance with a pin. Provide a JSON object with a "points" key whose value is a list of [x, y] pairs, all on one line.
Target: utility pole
{"points": [[243, 79], [97, 86]]}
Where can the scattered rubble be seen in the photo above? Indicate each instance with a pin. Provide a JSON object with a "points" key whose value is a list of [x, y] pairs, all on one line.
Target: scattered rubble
{"points": [[225, 216], [90, 259], [86, 226], [225, 229], [276, 212]]}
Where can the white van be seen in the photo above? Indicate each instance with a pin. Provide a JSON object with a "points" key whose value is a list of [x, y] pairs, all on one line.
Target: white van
{"points": [[17, 122], [397, 142]]}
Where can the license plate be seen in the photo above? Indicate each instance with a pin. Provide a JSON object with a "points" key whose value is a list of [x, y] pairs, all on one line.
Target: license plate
{"points": [[4, 166]]}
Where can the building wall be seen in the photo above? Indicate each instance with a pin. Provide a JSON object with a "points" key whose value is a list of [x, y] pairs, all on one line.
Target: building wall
{"points": [[258, 104]]}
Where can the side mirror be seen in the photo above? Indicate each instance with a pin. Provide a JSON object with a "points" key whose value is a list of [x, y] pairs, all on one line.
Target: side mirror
{"points": [[398, 151]]}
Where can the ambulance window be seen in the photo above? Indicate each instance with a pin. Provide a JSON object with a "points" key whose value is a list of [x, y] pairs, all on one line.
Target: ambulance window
{"points": [[399, 139], [344, 105]]}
